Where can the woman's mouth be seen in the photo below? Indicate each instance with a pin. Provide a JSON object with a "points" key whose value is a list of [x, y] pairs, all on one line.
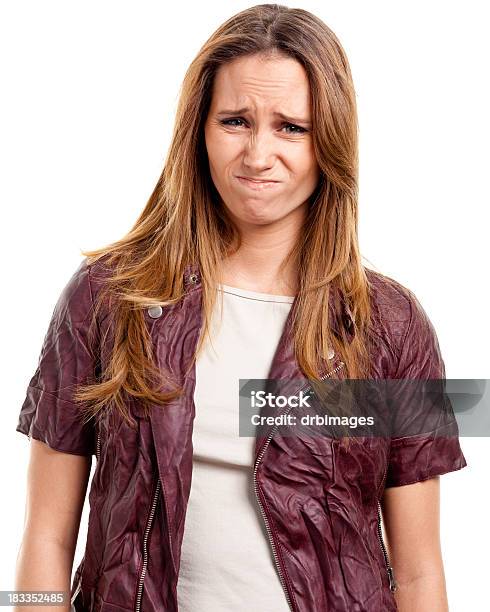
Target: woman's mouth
{"points": [[256, 184]]}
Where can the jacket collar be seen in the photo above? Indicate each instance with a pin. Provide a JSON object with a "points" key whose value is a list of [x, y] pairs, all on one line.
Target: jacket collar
{"points": [[341, 316]]}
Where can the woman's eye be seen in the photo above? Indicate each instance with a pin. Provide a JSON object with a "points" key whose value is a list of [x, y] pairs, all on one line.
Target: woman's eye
{"points": [[296, 128], [228, 121]]}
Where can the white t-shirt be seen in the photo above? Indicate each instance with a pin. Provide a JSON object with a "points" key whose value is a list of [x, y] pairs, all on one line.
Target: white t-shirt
{"points": [[227, 561]]}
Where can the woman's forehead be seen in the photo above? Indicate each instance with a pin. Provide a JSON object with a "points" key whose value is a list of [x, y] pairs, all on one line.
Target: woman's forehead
{"points": [[245, 84]]}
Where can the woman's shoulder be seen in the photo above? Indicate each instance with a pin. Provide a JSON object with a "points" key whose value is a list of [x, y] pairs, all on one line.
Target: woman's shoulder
{"points": [[391, 301], [397, 314], [387, 292], [76, 301]]}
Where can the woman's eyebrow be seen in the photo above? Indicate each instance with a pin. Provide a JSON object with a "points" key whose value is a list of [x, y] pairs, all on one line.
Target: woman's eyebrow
{"points": [[241, 111]]}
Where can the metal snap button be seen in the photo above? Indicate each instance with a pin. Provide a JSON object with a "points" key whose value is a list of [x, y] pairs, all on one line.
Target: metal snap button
{"points": [[155, 311], [193, 278], [331, 354]]}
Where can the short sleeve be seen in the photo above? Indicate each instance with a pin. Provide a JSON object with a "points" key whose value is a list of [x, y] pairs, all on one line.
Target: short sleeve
{"points": [[425, 435], [49, 412]]}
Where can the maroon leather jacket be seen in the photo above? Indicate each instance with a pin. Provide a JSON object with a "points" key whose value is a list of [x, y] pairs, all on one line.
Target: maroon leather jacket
{"points": [[320, 506]]}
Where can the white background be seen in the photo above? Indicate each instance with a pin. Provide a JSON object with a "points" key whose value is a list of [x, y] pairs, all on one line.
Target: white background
{"points": [[89, 91]]}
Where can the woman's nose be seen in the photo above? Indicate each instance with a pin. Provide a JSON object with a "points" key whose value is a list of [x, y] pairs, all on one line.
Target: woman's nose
{"points": [[259, 150]]}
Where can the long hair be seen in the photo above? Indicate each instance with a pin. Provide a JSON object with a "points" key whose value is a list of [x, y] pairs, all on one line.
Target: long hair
{"points": [[185, 221]]}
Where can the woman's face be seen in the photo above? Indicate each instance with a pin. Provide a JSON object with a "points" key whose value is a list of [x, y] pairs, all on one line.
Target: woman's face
{"points": [[259, 127]]}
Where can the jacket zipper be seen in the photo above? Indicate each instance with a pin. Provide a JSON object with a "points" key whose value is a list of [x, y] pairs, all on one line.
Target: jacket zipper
{"points": [[97, 447], [256, 489], [77, 590], [145, 549], [389, 569]]}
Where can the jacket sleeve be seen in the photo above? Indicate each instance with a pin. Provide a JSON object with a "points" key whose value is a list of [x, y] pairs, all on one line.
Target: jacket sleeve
{"points": [[424, 435], [49, 412]]}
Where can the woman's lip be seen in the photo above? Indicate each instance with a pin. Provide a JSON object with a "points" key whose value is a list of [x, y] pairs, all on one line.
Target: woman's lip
{"points": [[257, 185]]}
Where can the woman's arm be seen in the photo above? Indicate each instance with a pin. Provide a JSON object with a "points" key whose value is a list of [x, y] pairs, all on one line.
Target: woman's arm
{"points": [[411, 519], [56, 487]]}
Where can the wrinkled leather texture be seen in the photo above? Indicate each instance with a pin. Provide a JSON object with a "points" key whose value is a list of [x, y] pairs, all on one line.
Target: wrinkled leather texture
{"points": [[320, 499]]}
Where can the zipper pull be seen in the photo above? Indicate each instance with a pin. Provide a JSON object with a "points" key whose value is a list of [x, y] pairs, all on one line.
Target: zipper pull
{"points": [[391, 576]]}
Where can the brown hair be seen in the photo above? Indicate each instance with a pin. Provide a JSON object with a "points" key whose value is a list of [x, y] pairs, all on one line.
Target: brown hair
{"points": [[185, 221]]}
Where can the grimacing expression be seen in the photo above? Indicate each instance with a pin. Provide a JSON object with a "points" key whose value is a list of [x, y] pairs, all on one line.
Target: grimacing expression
{"points": [[259, 127]]}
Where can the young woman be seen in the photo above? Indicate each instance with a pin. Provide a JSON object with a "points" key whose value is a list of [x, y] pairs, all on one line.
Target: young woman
{"points": [[244, 264]]}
